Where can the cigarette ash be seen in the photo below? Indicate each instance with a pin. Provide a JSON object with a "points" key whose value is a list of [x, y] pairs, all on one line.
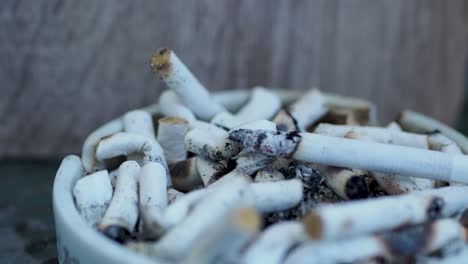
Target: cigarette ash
{"points": [[279, 144], [375, 190], [315, 192]]}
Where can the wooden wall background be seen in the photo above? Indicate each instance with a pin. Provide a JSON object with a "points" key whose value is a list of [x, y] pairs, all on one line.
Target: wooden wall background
{"points": [[68, 66]]}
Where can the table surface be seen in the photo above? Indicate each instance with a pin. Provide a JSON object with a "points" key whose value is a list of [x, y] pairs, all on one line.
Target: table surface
{"points": [[26, 219]]}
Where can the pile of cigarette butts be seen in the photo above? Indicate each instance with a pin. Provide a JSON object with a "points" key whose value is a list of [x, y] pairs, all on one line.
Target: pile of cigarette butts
{"points": [[314, 180]]}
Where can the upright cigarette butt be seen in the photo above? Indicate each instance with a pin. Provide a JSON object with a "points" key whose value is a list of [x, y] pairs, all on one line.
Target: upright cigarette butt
{"points": [[153, 198], [329, 222], [187, 87], [418, 123], [93, 194], [348, 184], [88, 157], [120, 218], [273, 244], [226, 238], [171, 134], [341, 152], [184, 175]]}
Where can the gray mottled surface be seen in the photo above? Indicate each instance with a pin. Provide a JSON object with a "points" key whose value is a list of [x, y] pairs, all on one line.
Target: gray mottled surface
{"points": [[27, 232], [67, 66]]}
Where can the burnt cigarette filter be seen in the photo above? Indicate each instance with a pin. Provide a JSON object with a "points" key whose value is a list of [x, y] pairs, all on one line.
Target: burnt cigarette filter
{"points": [[120, 218], [93, 194], [187, 87], [348, 184]]}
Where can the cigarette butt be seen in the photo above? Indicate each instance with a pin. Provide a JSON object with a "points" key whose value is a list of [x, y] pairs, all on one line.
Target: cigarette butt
{"points": [[419, 123], [171, 106], [88, 157], [273, 243], [348, 184], [120, 218], [364, 110], [187, 87], [210, 171], [341, 152], [93, 194], [171, 134], [227, 237], [152, 199], [302, 113], [278, 195], [174, 245], [139, 122], [184, 175], [335, 221]]}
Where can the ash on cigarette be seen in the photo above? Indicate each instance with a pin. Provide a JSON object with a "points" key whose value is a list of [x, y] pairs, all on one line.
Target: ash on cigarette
{"points": [[315, 193]]}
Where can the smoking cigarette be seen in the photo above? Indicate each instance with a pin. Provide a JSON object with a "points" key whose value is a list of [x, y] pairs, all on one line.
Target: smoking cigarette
{"points": [[153, 198], [120, 218], [419, 123], [227, 238], [304, 112], [174, 245], [171, 106], [252, 162], [209, 170], [278, 195], [125, 143], [268, 175], [422, 239], [187, 87], [93, 194], [342, 152], [88, 157], [171, 134], [342, 220], [348, 184], [274, 243], [184, 175], [173, 195], [378, 134], [262, 105]]}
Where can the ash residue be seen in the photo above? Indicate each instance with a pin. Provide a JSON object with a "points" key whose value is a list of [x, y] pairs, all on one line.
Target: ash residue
{"points": [[375, 190], [315, 192]]}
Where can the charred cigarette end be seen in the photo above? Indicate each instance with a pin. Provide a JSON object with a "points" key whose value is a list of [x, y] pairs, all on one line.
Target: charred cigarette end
{"points": [[184, 175], [313, 225], [247, 219], [117, 233], [356, 188], [407, 241], [161, 62], [281, 144], [435, 207]]}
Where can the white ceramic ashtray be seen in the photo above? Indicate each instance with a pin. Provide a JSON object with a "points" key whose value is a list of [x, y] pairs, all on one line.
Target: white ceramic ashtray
{"points": [[262, 176]]}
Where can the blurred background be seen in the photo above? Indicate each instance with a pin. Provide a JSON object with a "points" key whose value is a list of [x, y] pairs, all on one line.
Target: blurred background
{"points": [[69, 66]]}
